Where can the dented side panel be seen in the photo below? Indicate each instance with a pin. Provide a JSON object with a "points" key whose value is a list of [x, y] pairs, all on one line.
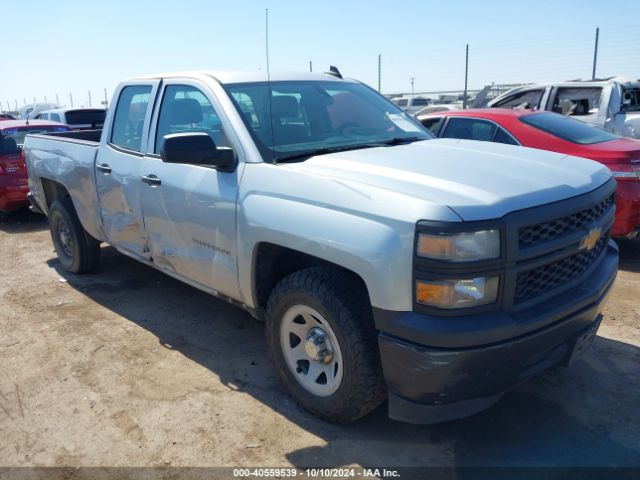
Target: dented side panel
{"points": [[69, 163], [119, 196]]}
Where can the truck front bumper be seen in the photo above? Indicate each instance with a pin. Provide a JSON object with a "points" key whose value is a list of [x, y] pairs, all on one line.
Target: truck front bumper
{"points": [[430, 384]]}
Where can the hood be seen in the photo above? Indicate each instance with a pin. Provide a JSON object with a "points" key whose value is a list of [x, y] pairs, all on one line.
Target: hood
{"points": [[478, 180]]}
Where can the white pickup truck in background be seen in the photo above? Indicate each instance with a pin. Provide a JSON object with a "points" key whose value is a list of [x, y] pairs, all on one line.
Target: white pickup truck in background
{"points": [[612, 104]]}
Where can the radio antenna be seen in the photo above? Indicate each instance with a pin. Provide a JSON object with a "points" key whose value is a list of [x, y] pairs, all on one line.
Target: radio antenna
{"points": [[266, 43]]}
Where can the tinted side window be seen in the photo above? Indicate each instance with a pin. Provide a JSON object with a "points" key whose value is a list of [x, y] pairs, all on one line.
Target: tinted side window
{"points": [[503, 137], [129, 117], [470, 129], [432, 123], [55, 117], [529, 99], [187, 109]]}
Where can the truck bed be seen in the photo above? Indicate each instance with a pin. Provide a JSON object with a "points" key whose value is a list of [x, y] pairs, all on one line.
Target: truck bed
{"points": [[67, 159]]}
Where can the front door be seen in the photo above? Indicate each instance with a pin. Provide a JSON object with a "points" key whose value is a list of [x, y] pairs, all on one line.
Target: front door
{"points": [[190, 211], [118, 167]]}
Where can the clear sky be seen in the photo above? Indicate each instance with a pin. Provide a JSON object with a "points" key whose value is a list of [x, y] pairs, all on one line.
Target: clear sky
{"points": [[60, 46]]}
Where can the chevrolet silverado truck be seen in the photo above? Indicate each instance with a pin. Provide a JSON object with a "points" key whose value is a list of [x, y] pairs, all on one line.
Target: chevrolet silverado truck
{"points": [[612, 104], [435, 273]]}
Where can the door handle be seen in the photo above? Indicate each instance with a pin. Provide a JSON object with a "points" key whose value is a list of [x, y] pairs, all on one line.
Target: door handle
{"points": [[103, 167], [151, 180]]}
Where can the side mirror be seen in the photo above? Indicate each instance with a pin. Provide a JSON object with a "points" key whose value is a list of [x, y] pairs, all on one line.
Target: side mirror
{"points": [[196, 148]]}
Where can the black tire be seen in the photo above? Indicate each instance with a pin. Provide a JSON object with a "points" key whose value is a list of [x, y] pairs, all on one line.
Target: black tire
{"points": [[341, 298], [80, 253]]}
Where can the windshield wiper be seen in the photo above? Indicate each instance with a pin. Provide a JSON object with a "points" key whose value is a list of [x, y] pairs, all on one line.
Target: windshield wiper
{"points": [[344, 148], [401, 140], [324, 151]]}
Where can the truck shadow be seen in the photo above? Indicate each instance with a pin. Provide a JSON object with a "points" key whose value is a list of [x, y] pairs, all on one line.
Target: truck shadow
{"points": [[22, 221], [580, 416], [629, 254]]}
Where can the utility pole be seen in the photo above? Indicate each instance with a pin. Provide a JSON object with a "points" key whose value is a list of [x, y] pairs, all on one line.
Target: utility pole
{"points": [[45, 99], [57, 100], [379, 73], [16, 102], [106, 100], [34, 100], [310, 66], [595, 55], [70, 100], [89, 92], [466, 77], [412, 85]]}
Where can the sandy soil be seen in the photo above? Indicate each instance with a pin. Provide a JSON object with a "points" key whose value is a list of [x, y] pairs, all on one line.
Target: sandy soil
{"points": [[130, 367]]}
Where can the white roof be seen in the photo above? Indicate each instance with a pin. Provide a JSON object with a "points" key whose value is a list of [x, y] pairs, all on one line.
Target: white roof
{"points": [[247, 76]]}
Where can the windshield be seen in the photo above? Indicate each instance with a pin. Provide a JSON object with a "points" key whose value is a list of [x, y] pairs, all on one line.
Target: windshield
{"points": [[567, 128], [307, 116], [13, 138]]}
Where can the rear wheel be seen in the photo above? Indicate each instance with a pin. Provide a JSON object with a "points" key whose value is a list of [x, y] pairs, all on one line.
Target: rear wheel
{"points": [[324, 345], [77, 251]]}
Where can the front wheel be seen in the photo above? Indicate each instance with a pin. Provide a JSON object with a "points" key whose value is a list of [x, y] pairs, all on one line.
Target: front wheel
{"points": [[324, 345], [77, 251]]}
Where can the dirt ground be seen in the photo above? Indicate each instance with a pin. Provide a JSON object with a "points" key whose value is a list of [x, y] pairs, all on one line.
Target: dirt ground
{"points": [[128, 367]]}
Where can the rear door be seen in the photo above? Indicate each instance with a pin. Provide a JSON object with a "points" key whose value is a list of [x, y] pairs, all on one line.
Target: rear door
{"points": [[118, 167], [189, 210]]}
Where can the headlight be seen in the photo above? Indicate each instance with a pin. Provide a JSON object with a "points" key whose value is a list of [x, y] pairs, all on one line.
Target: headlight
{"points": [[460, 247], [465, 293]]}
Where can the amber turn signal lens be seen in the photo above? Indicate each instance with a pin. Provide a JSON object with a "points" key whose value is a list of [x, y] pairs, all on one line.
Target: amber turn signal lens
{"points": [[433, 246], [457, 293], [436, 294]]}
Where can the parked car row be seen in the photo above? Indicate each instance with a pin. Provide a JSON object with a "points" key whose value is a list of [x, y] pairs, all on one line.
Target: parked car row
{"points": [[612, 104], [13, 176]]}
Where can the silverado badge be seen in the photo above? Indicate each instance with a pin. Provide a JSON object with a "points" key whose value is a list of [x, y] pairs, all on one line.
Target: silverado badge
{"points": [[589, 242]]}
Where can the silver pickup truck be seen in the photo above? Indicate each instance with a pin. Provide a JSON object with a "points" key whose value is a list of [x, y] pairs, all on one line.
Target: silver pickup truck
{"points": [[386, 264]]}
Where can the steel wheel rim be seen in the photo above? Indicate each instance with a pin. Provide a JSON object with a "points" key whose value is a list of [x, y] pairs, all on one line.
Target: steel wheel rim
{"points": [[299, 330], [66, 240]]}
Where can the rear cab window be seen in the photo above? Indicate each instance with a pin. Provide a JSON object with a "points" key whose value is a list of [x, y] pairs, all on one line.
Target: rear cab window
{"points": [[569, 129], [89, 118], [128, 122]]}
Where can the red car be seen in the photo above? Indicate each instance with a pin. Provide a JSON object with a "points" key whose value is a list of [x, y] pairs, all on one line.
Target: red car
{"points": [[557, 133], [13, 173]]}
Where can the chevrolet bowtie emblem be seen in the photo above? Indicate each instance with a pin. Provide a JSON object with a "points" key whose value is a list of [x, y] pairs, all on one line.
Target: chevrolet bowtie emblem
{"points": [[590, 241]]}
